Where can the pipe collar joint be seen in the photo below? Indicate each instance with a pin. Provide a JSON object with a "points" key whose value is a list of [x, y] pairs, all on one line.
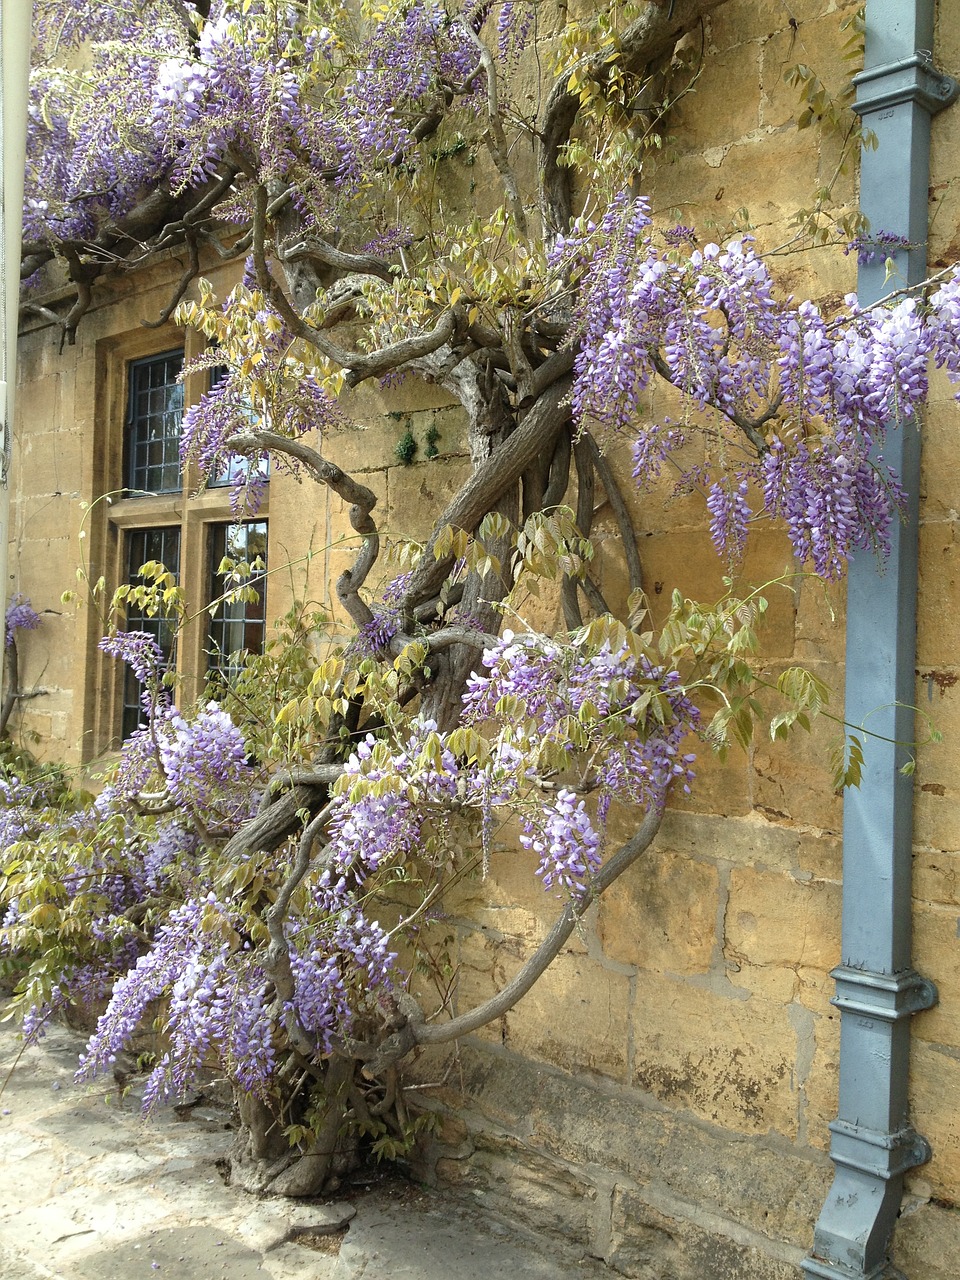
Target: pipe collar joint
{"points": [[884, 996], [877, 1155], [910, 80]]}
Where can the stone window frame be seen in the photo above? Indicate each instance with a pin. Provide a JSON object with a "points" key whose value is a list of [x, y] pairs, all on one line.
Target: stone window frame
{"points": [[115, 514]]}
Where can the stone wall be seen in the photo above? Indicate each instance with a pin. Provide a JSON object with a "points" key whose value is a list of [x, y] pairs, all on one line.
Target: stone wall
{"points": [[664, 1093]]}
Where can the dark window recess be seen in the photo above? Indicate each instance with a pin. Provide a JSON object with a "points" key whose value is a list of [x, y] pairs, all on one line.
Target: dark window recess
{"points": [[154, 414], [162, 545], [236, 626]]}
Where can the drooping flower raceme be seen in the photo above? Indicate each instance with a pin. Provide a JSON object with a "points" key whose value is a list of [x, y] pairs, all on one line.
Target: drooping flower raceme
{"points": [[540, 689], [569, 847], [20, 616], [794, 406], [216, 1004]]}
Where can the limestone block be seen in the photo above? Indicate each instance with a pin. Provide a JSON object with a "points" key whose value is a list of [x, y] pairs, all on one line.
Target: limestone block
{"points": [[820, 616], [492, 1086], [938, 498], [822, 1077], [777, 1191], [511, 899], [944, 199], [936, 876], [779, 101], [934, 1084], [685, 561], [361, 448], [740, 20], [730, 83], [409, 394], [937, 820], [820, 854], [752, 840], [729, 1061], [772, 919], [938, 629], [719, 786], [793, 778], [816, 988], [485, 964], [822, 273], [418, 494], [505, 1175], [770, 982], [926, 1243], [39, 407], [576, 1017], [775, 180], [679, 560], [52, 464], [936, 954], [589, 1124], [49, 562], [662, 915], [649, 1244], [936, 765]]}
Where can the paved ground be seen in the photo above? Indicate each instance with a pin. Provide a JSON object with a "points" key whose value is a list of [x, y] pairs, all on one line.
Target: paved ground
{"points": [[90, 1191]]}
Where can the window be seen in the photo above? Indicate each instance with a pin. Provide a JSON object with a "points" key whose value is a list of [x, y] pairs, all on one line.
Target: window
{"points": [[167, 515], [154, 413], [237, 626], [161, 544]]}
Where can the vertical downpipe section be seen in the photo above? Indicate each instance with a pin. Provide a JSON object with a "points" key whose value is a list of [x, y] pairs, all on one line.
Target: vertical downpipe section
{"points": [[878, 991]]}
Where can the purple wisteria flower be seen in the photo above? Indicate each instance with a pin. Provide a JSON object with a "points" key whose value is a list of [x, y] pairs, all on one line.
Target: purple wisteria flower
{"points": [[139, 650], [569, 848], [216, 1003], [338, 954], [635, 750], [822, 391], [204, 762], [20, 616]]}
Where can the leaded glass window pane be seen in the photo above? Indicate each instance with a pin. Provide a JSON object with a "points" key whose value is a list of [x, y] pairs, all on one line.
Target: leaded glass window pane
{"points": [[163, 545], [154, 414], [237, 627]]}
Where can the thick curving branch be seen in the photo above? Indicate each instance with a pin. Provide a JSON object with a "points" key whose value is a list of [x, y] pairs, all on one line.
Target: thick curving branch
{"points": [[190, 273], [417, 1031], [277, 958], [362, 501], [653, 33], [620, 511], [502, 470], [494, 137], [316, 249], [358, 365], [384, 361]]}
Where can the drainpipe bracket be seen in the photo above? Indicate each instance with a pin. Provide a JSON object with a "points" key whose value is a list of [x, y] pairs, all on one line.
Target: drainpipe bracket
{"points": [[909, 80], [885, 996], [878, 1155]]}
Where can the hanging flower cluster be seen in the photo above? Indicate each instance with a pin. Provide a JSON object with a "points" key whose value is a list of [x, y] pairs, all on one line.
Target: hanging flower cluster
{"points": [[20, 616], [794, 405], [216, 1001]]}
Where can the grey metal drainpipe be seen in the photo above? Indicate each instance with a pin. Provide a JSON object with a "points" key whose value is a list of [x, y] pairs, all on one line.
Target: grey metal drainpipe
{"points": [[873, 1143]]}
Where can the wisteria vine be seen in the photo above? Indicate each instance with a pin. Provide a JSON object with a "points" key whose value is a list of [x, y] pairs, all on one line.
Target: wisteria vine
{"points": [[259, 875]]}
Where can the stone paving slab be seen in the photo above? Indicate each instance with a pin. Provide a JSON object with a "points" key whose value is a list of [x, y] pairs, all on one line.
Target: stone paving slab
{"points": [[91, 1191]]}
